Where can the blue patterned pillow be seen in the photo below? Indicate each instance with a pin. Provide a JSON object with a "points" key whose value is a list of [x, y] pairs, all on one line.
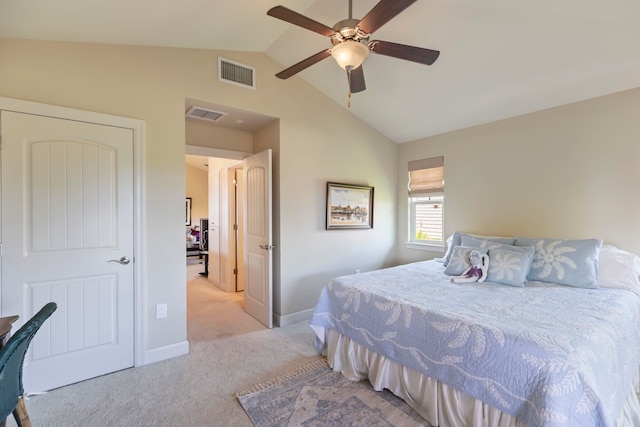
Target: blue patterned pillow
{"points": [[456, 240], [567, 262], [459, 260], [510, 266], [486, 243]]}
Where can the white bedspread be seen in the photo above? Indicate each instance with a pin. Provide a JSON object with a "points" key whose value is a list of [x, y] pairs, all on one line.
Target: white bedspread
{"points": [[547, 354]]}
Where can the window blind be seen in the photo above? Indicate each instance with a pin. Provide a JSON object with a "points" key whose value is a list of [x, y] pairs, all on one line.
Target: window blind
{"points": [[426, 176]]}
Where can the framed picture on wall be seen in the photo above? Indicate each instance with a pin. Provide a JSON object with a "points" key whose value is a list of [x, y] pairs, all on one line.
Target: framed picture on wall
{"points": [[187, 212], [349, 206]]}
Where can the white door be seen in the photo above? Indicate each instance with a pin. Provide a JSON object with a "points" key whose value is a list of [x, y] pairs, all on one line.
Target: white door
{"points": [[213, 268], [258, 249], [214, 226], [67, 212]]}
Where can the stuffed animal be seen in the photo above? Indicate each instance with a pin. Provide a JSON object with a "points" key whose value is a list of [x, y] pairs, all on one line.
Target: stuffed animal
{"points": [[477, 271]]}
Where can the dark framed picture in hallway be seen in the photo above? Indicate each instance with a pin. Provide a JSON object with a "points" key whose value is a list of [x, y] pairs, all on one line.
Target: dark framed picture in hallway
{"points": [[349, 206], [187, 212]]}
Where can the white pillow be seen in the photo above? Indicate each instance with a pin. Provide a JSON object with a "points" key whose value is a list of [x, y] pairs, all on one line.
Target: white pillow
{"points": [[618, 269]]}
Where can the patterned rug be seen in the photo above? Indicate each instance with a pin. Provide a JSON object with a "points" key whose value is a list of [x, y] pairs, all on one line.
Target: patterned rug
{"points": [[314, 395]]}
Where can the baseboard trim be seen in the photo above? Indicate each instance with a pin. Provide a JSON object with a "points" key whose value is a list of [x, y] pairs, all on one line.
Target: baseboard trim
{"points": [[166, 352], [290, 319]]}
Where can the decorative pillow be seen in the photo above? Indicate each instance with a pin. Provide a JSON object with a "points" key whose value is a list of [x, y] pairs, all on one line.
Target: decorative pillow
{"points": [[459, 261], [618, 269], [487, 243], [567, 262], [456, 240], [452, 242], [510, 266], [447, 254]]}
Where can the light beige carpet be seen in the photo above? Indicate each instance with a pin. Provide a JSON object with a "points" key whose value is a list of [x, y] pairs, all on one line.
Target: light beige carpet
{"points": [[229, 351]]}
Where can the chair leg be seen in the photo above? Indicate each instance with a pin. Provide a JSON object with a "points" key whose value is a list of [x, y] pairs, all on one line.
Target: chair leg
{"points": [[20, 414]]}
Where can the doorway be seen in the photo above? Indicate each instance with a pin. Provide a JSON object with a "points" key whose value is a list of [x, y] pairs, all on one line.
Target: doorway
{"points": [[215, 192], [236, 134], [217, 297]]}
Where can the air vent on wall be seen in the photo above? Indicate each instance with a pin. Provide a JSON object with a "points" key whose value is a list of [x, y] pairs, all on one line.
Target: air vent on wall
{"points": [[236, 73], [205, 114]]}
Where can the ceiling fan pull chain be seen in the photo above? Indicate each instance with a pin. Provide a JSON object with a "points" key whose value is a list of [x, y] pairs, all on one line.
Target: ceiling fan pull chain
{"points": [[349, 82]]}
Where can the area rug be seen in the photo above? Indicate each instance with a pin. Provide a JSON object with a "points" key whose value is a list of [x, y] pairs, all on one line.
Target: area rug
{"points": [[314, 395]]}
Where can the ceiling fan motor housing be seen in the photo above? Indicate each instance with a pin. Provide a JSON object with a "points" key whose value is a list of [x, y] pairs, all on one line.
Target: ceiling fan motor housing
{"points": [[347, 29]]}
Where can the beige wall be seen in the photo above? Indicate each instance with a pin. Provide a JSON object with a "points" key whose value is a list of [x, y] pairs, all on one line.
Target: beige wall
{"points": [[197, 187], [202, 134], [343, 155], [567, 172], [152, 84]]}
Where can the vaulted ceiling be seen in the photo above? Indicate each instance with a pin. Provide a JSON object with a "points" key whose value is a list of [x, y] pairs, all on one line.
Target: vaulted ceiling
{"points": [[499, 58]]}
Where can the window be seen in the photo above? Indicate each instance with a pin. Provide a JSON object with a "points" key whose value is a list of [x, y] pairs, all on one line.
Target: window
{"points": [[426, 201], [426, 219]]}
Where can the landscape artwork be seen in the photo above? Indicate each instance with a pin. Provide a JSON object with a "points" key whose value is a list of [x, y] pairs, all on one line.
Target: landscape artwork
{"points": [[349, 206]]}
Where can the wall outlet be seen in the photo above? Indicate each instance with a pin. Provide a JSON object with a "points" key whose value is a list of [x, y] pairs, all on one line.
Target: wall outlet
{"points": [[357, 271], [161, 311]]}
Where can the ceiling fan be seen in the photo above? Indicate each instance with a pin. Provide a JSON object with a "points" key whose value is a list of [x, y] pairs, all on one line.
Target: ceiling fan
{"points": [[350, 39]]}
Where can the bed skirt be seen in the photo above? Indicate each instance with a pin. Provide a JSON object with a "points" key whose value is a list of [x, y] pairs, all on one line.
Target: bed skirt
{"points": [[439, 404]]}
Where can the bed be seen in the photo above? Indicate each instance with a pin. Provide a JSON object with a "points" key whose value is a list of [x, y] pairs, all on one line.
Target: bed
{"points": [[536, 353]]}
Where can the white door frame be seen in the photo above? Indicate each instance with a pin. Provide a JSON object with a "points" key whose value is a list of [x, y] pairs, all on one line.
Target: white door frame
{"points": [[139, 266]]}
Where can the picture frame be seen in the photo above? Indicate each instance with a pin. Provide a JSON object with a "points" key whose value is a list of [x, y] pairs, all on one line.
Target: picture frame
{"points": [[187, 212], [349, 206]]}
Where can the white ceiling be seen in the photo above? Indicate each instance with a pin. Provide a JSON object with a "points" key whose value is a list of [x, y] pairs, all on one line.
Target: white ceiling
{"points": [[499, 58]]}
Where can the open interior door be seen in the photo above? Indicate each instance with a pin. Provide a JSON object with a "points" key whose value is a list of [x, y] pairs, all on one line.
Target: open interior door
{"points": [[258, 249]]}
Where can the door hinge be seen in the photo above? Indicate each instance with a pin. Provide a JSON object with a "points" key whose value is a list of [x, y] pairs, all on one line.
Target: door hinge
{"points": [[235, 182], [235, 271], [235, 227]]}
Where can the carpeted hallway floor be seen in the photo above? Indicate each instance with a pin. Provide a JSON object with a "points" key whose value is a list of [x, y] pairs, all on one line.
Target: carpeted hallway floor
{"points": [[229, 351], [212, 313]]}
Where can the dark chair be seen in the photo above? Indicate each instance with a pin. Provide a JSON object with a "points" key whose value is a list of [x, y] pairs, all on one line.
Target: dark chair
{"points": [[11, 360]]}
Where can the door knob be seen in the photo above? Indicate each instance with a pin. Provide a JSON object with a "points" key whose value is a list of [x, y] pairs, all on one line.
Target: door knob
{"points": [[266, 247], [124, 260]]}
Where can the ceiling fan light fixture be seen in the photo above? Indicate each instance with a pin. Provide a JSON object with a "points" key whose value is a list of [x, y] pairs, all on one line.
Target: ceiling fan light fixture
{"points": [[349, 54]]}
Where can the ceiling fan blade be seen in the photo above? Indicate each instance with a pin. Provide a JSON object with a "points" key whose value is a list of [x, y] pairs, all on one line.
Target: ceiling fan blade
{"points": [[356, 80], [382, 13], [305, 63], [295, 18], [402, 51]]}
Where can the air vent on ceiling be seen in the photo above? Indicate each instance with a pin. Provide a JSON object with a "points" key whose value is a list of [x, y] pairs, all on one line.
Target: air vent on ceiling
{"points": [[236, 73], [205, 114]]}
